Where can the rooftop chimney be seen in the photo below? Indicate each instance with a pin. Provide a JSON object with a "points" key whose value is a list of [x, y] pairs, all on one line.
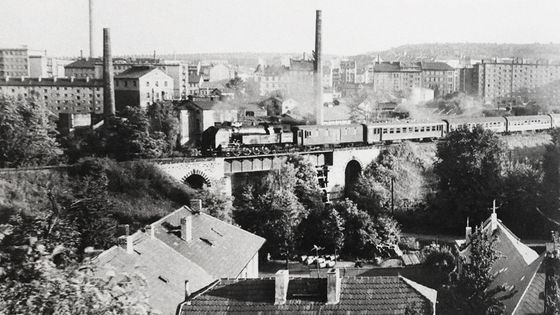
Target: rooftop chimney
{"points": [[493, 218], [108, 80], [281, 281], [187, 290], [333, 286], [318, 67], [186, 228], [125, 242], [150, 230], [468, 231], [195, 205]]}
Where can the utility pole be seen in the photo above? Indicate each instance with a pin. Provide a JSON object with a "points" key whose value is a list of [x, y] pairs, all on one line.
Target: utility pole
{"points": [[392, 195]]}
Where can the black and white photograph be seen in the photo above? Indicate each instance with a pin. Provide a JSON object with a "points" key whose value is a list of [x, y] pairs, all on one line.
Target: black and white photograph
{"points": [[178, 157]]}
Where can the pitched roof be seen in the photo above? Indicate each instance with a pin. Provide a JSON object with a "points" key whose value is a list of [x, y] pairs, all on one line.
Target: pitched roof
{"points": [[135, 72], [386, 67], [374, 295], [215, 244], [517, 263], [437, 66], [85, 63], [163, 269], [194, 78], [301, 65]]}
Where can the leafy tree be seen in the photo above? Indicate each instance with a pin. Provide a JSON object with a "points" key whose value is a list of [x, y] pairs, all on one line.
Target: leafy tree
{"points": [[473, 293], [388, 229], [522, 194], [323, 227], [163, 118], [27, 138], [551, 176], [306, 186], [361, 236], [215, 203], [32, 282], [469, 167], [369, 194]]}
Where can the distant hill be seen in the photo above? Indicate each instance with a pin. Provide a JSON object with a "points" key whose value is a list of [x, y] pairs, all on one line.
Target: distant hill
{"points": [[457, 50]]}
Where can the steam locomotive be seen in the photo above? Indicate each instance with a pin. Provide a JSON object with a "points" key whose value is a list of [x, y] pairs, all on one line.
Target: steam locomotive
{"points": [[232, 140]]}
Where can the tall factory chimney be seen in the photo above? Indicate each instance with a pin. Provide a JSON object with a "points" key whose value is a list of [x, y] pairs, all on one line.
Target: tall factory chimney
{"points": [[108, 79], [91, 28], [318, 67]]}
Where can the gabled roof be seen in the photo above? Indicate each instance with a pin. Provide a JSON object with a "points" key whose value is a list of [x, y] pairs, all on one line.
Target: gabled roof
{"points": [[518, 262], [135, 72], [223, 250], [195, 78], [386, 67], [164, 270], [371, 295]]}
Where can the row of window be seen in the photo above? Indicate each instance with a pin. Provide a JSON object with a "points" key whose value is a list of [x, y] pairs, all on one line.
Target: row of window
{"points": [[408, 129]]}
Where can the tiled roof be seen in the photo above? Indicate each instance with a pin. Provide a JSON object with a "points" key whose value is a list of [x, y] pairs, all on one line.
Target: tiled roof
{"points": [[85, 63], [301, 65], [164, 270], [386, 67], [223, 250], [194, 78], [514, 266], [135, 72], [371, 295], [437, 66], [530, 294], [51, 82]]}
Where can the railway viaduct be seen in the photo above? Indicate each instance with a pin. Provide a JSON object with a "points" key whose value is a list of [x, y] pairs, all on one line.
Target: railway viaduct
{"points": [[336, 167]]}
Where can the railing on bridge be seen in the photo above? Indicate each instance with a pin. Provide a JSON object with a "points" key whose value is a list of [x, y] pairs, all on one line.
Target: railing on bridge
{"points": [[260, 163]]}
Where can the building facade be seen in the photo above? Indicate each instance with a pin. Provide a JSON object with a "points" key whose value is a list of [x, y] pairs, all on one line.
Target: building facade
{"points": [[47, 67], [60, 95], [396, 77], [14, 62], [439, 77], [141, 87], [348, 71], [507, 81]]}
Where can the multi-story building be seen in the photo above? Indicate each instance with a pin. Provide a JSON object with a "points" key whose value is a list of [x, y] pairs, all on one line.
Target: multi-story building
{"points": [[142, 86], [348, 71], [270, 79], [439, 77], [396, 77], [93, 68], [47, 67], [14, 62], [517, 80], [60, 95]]}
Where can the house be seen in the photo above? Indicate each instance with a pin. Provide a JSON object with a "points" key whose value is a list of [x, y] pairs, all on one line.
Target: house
{"points": [[520, 269], [331, 295], [194, 84], [186, 249], [142, 86]]}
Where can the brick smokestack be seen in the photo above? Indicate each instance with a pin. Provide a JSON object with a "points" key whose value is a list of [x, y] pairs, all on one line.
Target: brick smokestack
{"points": [[108, 79], [318, 67], [91, 28]]}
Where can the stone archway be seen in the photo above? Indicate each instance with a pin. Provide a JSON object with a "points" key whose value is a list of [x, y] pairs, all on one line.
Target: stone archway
{"points": [[197, 179], [351, 174]]}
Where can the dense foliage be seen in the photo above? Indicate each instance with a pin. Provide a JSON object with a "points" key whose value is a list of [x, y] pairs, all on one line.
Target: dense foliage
{"points": [[27, 137]]}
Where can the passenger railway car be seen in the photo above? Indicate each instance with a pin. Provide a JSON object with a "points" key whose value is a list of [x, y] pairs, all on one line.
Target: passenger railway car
{"points": [[496, 124], [314, 135], [528, 123], [382, 132], [555, 120]]}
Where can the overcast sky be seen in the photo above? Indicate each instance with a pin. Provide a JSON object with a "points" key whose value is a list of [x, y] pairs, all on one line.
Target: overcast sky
{"points": [[350, 26]]}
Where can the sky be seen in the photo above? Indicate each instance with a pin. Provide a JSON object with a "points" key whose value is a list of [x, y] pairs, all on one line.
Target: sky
{"points": [[216, 26]]}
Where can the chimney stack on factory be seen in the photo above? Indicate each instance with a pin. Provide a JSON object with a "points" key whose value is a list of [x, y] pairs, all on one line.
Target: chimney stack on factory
{"points": [[318, 68], [91, 28], [108, 79]]}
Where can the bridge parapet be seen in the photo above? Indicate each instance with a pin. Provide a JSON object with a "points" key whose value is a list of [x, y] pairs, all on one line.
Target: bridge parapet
{"points": [[260, 163]]}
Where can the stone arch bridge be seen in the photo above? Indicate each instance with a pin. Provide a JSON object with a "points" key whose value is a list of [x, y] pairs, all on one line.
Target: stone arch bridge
{"points": [[337, 167]]}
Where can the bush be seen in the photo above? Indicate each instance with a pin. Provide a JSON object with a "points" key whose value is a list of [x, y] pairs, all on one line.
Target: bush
{"points": [[440, 256]]}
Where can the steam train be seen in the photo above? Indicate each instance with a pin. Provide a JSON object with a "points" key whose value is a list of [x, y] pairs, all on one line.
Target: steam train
{"points": [[231, 140]]}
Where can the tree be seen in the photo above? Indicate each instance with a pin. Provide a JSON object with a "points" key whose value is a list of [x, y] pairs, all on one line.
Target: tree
{"points": [[49, 288], [469, 167], [388, 229], [306, 187], [27, 138], [163, 118], [323, 227], [551, 176], [473, 293], [361, 236]]}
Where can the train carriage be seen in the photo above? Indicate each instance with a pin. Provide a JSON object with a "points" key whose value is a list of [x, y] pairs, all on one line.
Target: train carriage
{"points": [[381, 132], [496, 124], [528, 123], [314, 135], [555, 120]]}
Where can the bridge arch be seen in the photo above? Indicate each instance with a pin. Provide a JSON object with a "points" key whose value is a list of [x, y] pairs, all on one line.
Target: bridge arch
{"points": [[196, 179], [352, 172]]}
